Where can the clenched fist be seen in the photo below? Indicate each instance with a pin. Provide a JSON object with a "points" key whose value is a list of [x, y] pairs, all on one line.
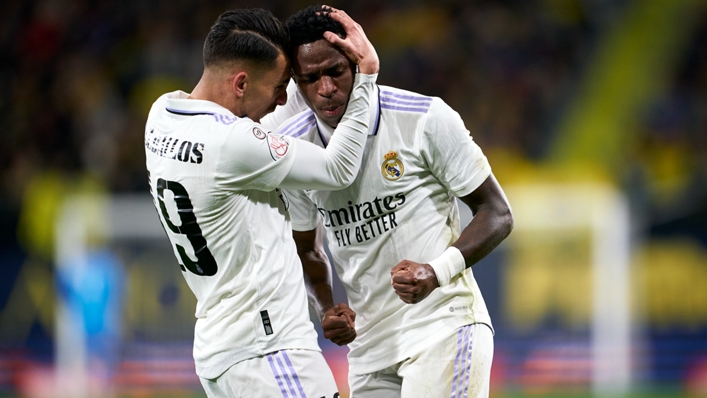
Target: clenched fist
{"points": [[338, 324], [413, 281]]}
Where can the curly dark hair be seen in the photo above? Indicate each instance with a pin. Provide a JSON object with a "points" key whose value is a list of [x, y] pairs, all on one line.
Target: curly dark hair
{"points": [[252, 34], [309, 24]]}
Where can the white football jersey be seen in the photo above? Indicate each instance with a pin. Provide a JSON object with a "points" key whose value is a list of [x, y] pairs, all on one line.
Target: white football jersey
{"points": [[213, 177], [418, 158]]}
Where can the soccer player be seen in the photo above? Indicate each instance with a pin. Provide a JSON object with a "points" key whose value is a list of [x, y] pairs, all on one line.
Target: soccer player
{"points": [[214, 176], [417, 325]]}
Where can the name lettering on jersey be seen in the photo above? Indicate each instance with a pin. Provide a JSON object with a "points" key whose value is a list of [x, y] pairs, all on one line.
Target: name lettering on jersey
{"points": [[392, 168], [363, 221], [278, 146], [174, 148]]}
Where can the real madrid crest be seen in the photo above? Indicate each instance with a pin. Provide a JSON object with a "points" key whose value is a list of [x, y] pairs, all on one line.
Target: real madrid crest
{"points": [[392, 168]]}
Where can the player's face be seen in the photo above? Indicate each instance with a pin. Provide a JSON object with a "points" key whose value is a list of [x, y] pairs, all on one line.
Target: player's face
{"points": [[325, 77], [267, 90]]}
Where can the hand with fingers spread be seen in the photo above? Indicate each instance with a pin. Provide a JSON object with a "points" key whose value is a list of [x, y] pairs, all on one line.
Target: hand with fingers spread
{"points": [[338, 324], [356, 45], [413, 281]]}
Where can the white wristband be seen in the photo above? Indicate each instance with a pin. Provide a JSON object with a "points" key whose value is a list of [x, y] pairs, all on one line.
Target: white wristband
{"points": [[447, 265]]}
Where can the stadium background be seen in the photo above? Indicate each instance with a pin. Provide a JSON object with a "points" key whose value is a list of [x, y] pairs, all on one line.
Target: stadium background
{"points": [[610, 94]]}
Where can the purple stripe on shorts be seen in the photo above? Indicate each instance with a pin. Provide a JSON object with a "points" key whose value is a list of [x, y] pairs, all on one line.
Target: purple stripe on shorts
{"points": [[277, 376], [471, 346], [407, 97], [294, 374], [403, 108], [286, 376], [297, 123], [456, 361], [466, 361], [461, 372]]}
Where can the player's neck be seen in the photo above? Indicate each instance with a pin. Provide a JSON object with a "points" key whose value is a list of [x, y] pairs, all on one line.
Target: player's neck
{"points": [[212, 88]]}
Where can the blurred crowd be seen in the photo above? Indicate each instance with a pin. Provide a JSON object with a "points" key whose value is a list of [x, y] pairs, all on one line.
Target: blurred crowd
{"points": [[78, 76], [670, 159]]}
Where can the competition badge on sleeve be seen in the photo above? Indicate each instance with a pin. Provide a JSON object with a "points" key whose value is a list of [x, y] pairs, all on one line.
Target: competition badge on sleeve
{"points": [[392, 168], [278, 146], [258, 133]]}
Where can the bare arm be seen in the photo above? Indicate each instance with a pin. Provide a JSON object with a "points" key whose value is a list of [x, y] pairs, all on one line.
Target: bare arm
{"points": [[492, 222], [337, 320]]}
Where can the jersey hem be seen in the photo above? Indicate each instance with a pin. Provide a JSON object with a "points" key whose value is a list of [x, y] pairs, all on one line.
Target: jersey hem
{"points": [[229, 359], [375, 366]]}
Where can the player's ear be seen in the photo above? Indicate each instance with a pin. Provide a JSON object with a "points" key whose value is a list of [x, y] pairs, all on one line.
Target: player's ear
{"points": [[240, 83]]}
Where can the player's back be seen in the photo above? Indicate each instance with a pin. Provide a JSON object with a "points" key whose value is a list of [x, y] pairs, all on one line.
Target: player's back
{"points": [[213, 178]]}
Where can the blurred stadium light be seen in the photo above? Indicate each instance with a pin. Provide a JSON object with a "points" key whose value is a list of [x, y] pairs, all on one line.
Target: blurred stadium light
{"points": [[603, 211]]}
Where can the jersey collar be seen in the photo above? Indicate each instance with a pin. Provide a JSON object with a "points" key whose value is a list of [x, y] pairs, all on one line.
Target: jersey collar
{"points": [[325, 131], [179, 103]]}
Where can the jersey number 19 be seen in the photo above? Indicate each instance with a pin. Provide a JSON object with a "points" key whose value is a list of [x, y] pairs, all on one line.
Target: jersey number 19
{"points": [[205, 264]]}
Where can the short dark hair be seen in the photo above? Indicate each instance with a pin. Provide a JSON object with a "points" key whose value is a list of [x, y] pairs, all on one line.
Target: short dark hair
{"points": [[309, 24], [251, 34]]}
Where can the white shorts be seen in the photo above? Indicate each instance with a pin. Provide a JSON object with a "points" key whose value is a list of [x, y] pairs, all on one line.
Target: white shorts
{"points": [[286, 373], [458, 366]]}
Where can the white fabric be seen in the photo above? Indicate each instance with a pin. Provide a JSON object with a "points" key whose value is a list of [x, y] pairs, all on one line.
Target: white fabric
{"points": [[287, 373], [377, 222], [232, 235], [457, 367], [448, 265]]}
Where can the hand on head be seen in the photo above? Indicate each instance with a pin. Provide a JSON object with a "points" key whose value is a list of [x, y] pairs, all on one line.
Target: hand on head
{"points": [[356, 45]]}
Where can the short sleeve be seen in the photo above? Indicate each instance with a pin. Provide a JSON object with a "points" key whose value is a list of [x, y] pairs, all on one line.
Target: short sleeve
{"points": [[253, 158], [450, 151], [303, 212]]}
